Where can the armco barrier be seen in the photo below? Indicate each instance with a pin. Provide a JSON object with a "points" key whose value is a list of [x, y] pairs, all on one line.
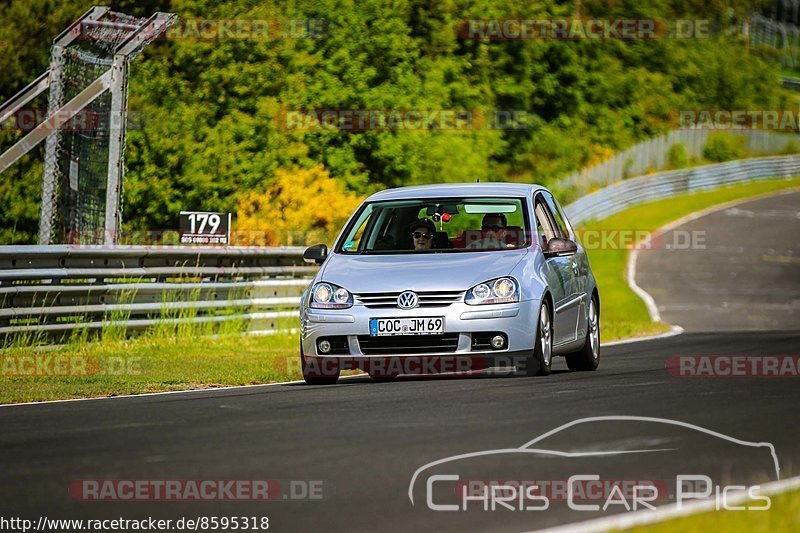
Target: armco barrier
{"points": [[626, 193], [51, 291], [652, 155]]}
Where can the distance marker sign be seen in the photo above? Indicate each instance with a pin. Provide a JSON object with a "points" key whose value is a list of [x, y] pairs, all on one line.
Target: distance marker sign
{"points": [[199, 227]]}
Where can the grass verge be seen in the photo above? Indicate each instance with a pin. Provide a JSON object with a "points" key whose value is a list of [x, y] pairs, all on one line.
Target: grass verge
{"points": [[185, 357], [146, 364], [784, 515]]}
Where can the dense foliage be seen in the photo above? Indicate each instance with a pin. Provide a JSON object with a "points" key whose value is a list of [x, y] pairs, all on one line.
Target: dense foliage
{"points": [[212, 136]]}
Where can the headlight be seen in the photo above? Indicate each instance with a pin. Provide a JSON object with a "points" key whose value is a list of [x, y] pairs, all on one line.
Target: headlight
{"points": [[494, 291], [330, 296]]}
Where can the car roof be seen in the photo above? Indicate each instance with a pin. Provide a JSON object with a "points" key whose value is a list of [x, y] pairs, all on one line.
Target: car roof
{"points": [[456, 189]]}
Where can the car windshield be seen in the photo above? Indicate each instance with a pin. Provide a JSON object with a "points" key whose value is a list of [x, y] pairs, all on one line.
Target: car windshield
{"points": [[437, 226]]}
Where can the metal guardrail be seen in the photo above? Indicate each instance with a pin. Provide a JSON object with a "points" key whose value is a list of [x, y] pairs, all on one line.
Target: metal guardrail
{"points": [[627, 193], [52, 291], [790, 83], [653, 155]]}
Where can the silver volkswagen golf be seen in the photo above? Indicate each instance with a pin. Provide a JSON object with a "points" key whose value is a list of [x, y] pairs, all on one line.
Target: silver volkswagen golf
{"points": [[451, 277]]}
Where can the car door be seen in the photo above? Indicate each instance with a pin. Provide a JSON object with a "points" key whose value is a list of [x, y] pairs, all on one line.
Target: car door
{"points": [[580, 268], [563, 273]]}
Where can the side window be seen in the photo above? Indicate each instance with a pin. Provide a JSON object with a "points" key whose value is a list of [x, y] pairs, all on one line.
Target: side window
{"points": [[561, 224], [379, 236], [544, 222], [353, 240]]}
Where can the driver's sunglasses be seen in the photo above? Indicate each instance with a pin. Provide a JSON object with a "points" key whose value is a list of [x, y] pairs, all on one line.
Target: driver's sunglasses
{"points": [[418, 235], [493, 228]]}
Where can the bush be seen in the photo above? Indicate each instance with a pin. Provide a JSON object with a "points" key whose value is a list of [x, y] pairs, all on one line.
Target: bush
{"points": [[677, 156], [301, 206], [723, 147], [791, 147]]}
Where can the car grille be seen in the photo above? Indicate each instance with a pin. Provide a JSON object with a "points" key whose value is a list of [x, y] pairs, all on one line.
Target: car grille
{"points": [[408, 344], [385, 300]]}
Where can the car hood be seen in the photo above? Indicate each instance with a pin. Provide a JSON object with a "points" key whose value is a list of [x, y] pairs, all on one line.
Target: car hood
{"points": [[423, 272]]}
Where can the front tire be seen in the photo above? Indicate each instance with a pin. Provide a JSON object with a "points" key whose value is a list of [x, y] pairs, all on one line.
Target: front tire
{"points": [[542, 360], [588, 357]]}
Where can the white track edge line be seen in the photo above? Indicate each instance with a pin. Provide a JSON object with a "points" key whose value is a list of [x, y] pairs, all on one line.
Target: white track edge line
{"points": [[648, 300], [650, 303], [164, 393], [668, 512], [674, 330]]}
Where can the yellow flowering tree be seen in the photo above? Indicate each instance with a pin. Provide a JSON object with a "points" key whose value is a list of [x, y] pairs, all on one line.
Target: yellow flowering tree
{"points": [[300, 206]]}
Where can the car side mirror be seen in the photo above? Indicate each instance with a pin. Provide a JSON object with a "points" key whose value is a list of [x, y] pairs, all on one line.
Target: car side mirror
{"points": [[316, 254], [558, 247]]}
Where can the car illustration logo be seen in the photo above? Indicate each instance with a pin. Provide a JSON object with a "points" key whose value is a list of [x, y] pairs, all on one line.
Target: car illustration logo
{"points": [[407, 300], [540, 447]]}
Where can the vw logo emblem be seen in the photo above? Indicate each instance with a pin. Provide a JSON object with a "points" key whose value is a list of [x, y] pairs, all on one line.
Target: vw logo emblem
{"points": [[407, 300]]}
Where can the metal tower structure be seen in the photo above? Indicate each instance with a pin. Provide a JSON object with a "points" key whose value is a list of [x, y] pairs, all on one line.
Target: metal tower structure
{"points": [[84, 129]]}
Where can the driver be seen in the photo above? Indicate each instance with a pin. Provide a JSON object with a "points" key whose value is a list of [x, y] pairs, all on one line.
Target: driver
{"points": [[492, 235], [494, 227]]}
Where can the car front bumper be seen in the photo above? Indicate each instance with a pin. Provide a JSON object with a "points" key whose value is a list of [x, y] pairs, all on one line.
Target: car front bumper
{"points": [[463, 328]]}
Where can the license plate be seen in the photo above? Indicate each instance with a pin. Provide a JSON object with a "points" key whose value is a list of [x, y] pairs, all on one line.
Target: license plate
{"points": [[379, 327]]}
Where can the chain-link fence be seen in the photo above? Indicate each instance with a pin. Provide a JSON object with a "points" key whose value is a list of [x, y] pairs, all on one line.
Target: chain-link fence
{"points": [[82, 155], [780, 36], [84, 131]]}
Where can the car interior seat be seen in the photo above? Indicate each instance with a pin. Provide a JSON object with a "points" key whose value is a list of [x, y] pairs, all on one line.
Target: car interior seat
{"points": [[514, 236], [441, 241]]}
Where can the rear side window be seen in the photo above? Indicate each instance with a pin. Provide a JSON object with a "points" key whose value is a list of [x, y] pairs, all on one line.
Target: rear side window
{"points": [[545, 226], [561, 224]]}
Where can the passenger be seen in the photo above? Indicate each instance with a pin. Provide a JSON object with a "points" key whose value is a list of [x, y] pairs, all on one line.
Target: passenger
{"points": [[422, 232]]}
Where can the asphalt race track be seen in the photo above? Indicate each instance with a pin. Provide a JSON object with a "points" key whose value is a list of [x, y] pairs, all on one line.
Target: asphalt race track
{"points": [[746, 276], [362, 442]]}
